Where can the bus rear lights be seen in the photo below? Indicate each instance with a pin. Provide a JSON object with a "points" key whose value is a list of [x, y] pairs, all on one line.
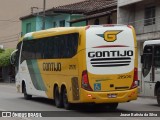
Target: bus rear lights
{"points": [[135, 79], [129, 26], [85, 81], [90, 96], [87, 27]]}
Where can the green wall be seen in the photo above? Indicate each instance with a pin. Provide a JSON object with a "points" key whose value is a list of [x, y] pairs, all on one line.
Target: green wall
{"points": [[77, 24], [36, 22], [26, 21]]}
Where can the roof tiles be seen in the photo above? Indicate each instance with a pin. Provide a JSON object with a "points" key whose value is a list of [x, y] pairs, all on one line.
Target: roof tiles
{"points": [[87, 6]]}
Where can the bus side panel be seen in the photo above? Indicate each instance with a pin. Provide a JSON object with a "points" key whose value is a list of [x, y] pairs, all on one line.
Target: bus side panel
{"points": [[28, 72], [60, 72]]}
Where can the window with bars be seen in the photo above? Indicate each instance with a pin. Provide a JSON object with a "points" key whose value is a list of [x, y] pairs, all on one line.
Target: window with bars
{"points": [[96, 22], [62, 23], [28, 27], [54, 24], [149, 15]]}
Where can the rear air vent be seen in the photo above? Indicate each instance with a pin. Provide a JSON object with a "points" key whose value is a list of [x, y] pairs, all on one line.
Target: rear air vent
{"points": [[110, 62]]}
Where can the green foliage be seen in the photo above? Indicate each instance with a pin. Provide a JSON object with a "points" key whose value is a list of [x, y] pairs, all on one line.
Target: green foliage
{"points": [[1, 50], [5, 57]]}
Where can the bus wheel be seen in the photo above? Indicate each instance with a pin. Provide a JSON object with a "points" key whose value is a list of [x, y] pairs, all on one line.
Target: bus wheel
{"points": [[66, 104], [158, 96], [112, 106], [26, 96], [57, 98]]}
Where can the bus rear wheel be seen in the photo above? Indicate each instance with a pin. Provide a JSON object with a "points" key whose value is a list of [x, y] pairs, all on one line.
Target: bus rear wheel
{"points": [[158, 96], [58, 98], [26, 96], [66, 104]]}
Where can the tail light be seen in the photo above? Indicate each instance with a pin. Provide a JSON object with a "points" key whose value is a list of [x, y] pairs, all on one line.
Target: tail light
{"points": [[135, 79], [129, 26], [87, 27], [85, 81]]}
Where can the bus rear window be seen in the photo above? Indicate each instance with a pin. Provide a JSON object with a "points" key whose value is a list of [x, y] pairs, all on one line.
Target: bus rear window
{"points": [[147, 49]]}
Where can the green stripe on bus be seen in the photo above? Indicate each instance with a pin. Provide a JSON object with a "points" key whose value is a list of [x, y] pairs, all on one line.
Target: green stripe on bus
{"points": [[38, 75], [35, 75], [31, 72]]}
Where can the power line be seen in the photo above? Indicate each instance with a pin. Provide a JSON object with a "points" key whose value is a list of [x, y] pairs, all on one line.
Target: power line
{"points": [[10, 41], [9, 21], [10, 35]]}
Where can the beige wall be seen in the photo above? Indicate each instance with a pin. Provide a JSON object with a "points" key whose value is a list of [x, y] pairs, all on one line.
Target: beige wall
{"points": [[12, 10], [127, 2], [103, 20]]}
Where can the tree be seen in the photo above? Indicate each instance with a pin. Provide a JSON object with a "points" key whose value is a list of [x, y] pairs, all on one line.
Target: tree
{"points": [[5, 57]]}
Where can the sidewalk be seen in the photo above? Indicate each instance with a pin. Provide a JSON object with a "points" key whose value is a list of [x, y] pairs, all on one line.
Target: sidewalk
{"points": [[8, 84]]}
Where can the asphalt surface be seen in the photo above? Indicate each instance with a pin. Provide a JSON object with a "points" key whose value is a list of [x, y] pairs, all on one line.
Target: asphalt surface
{"points": [[10, 100]]}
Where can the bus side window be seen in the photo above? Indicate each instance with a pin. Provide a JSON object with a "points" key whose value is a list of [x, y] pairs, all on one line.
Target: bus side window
{"points": [[17, 54], [147, 60], [39, 48], [157, 56], [28, 50], [142, 59]]}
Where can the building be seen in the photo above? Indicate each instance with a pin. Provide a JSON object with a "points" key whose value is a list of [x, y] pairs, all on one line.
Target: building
{"points": [[95, 12], [34, 22], [12, 10], [144, 15], [82, 13]]}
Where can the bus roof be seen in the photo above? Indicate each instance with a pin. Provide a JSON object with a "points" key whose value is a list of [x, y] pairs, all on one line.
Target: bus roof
{"points": [[63, 30], [151, 42], [50, 32]]}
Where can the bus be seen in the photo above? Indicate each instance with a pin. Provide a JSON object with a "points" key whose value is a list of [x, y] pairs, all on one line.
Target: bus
{"points": [[92, 64], [150, 59]]}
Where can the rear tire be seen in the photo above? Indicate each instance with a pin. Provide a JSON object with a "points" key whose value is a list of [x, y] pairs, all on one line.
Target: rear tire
{"points": [[26, 96], [158, 96], [58, 98], [66, 104]]}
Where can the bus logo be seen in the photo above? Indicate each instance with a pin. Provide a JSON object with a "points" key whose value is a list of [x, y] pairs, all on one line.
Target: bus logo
{"points": [[51, 66], [111, 35]]}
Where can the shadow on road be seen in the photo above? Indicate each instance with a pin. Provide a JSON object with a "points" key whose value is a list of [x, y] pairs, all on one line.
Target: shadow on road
{"points": [[83, 108]]}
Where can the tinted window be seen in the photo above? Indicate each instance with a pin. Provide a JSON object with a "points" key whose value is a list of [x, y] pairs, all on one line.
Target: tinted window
{"points": [[147, 60], [157, 56], [17, 54], [147, 49], [28, 50], [61, 46]]}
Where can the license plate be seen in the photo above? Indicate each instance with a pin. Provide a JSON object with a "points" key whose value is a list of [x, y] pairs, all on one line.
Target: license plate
{"points": [[111, 95]]}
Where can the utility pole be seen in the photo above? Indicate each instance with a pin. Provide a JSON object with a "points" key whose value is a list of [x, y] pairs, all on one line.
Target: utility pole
{"points": [[44, 16]]}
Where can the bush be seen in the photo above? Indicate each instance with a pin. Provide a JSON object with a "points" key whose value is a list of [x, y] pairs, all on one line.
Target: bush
{"points": [[5, 57]]}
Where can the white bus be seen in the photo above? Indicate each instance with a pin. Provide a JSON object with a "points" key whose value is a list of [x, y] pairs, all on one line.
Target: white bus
{"points": [[150, 84]]}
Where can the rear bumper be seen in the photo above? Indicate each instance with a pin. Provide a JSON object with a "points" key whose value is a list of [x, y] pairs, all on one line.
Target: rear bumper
{"points": [[102, 97]]}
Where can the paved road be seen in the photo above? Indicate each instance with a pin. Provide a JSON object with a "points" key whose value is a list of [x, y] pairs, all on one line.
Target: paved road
{"points": [[10, 100]]}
